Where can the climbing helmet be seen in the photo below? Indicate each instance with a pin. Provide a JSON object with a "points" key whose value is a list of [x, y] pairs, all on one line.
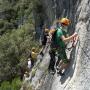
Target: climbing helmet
{"points": [[65, 21]]}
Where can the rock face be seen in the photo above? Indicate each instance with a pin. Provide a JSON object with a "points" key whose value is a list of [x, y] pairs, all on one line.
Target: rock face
{"points": [[79, 13], [77, 76]]}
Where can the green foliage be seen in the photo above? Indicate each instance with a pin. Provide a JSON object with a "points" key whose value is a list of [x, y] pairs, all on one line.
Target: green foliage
{"points": [[17, 35], [14, 85], [1, 23], [5, 86], [14, 13], [15, 48]]}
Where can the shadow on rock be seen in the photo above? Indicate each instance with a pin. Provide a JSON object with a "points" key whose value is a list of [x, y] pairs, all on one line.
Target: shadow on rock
{"points": [[70, 70]]}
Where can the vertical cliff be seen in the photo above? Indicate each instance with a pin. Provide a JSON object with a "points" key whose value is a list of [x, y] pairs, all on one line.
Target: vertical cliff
{"points": [[77, 76], [79, 13]]}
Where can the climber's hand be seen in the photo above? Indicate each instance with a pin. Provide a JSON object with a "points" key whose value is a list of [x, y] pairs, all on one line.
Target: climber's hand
{"points": [[75, 40], [75, 34]]}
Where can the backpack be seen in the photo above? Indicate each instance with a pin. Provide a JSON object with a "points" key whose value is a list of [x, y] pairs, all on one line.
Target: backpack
{"points": [[53, 32]]}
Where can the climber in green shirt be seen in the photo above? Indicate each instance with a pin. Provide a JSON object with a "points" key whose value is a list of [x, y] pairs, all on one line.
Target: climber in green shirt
{"points": [[59, 36]]}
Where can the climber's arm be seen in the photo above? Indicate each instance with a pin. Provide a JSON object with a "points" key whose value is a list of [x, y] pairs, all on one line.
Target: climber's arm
{"points": [[68, 38]]}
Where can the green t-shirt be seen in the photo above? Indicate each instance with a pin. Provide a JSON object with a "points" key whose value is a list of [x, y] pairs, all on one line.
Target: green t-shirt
{"points": [[59, 33]]}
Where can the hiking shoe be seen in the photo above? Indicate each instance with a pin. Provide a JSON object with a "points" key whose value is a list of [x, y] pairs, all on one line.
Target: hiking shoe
{"points": [[60, 73]]}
